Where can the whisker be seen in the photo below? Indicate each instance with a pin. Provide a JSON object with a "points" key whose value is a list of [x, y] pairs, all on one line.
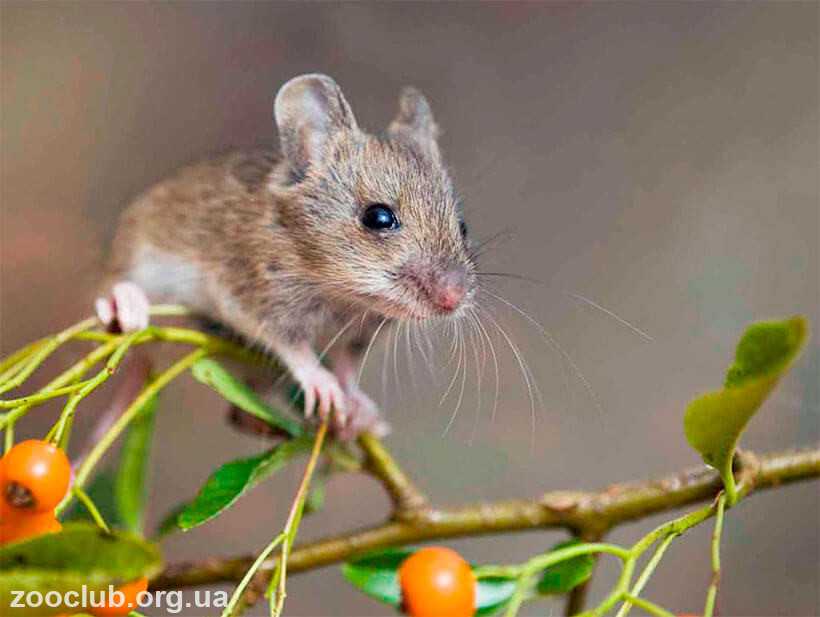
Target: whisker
{"points": [[335, 338], [479, 372], [397, 331], [455, 374], [606, 311], [489, 243], [367, 351], [462, 362], [556, 346], [495, 365], [524, 373], [390, 335], [517, 277], [409, 355]]}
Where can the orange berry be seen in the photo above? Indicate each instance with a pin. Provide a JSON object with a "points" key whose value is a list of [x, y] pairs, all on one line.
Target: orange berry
{"points": [[130, 594], [19, 526], [437, 582], [35, 476]]}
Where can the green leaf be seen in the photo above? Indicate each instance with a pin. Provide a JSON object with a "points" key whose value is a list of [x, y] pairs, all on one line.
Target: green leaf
{"points": [[232, 479], [714, 422], [213, 374], [376, 575], [170, 522], [565, 576], [131, 485], [492, 594], [80, 555]]}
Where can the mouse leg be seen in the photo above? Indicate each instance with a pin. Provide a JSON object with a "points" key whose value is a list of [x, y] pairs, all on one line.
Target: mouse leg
{"points": [[125, 310], [320, 387], [363, 413]]}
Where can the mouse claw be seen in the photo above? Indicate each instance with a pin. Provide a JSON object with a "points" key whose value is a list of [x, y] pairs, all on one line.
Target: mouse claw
{"points": [[125, 310], [322, 393], [363, 416]]}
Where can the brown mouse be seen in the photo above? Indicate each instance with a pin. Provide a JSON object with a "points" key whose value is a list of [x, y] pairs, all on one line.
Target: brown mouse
{"points": [[338, 235]]}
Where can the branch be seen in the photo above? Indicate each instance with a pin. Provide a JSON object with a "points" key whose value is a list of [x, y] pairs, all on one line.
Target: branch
{"points": [[583, 513], [406, 498]]}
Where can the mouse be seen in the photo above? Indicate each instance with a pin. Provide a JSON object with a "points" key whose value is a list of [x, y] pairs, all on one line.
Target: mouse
{"points": [[308, 251]]}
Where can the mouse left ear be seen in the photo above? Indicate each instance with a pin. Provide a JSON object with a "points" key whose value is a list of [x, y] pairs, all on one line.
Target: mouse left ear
{"points": [[309, 109], [415, 122]]}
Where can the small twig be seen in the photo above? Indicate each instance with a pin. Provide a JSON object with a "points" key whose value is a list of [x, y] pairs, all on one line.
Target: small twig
{"points": [[711, 594], [42, 352], [405, 496], [8, 438], [235, 601], [91, 508], [541, 562], [647, 572], [649, 607], [292, 525], [129, 414], [90, 385]]}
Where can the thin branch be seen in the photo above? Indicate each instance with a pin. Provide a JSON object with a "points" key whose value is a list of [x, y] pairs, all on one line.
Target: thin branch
{"points": [[711, 594], [277, 588], [590, 511], [405, 496]]}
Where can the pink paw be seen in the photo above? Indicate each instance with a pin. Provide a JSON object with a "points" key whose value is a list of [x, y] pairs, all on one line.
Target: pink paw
{"points": [[322, 392], [125, 310], [363, 415]]}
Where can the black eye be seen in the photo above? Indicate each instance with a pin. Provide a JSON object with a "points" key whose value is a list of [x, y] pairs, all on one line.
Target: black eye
{"points": [[463, 227], [380, 218]]}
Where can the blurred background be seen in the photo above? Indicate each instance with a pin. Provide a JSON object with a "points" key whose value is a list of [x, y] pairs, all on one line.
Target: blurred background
{"points": [[659, 159]]}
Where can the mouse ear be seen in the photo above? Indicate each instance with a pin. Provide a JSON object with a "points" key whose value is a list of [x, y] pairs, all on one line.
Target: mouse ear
{"points": [[309, 109], [415, 122]]}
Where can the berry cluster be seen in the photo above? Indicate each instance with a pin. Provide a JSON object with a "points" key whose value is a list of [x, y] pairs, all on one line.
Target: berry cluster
{"points": [[34, 478]]}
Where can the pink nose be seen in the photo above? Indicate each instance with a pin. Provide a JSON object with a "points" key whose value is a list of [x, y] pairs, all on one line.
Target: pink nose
{"points": [[449, 290]]}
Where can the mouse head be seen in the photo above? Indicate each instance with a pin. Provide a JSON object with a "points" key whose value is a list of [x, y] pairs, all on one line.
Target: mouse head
{"points": [[377, 218]]}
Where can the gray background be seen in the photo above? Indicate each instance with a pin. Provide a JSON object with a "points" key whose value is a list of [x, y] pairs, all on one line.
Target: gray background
{"points": [[659, 158]]}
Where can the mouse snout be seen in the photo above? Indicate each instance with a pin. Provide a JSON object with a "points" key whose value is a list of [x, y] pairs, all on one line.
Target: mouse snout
{"points": [[448, 289]]}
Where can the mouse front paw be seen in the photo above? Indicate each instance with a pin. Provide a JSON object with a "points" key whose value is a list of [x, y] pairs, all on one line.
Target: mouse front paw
{"points": [[322, 393], [125, 310], [363, 416]]}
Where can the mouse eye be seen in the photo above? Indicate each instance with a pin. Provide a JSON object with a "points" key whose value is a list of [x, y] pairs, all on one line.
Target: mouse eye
{"points": [[463, 227], [379, 217]]}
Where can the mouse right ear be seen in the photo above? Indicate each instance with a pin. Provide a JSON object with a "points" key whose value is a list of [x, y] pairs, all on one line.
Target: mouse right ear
{"points": [[308, 110], [415, 122]]}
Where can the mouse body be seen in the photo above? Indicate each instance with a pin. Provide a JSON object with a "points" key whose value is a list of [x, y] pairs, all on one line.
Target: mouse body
{"points": [[321, 244]]}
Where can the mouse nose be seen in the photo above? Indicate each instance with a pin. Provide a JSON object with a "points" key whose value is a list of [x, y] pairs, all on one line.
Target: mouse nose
{"points": [[450, 289]]}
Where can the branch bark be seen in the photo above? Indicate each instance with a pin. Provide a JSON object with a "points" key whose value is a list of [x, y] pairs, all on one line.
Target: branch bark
{"points": [[583, 513]]}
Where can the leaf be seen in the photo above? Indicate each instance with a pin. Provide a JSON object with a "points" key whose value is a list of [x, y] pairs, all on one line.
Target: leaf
{"points": [[565, 576], [130, 488], [492, 594], [376, 575], [232, 479], [170, 522], [80, 555], [714, 422], [213, 374]]}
